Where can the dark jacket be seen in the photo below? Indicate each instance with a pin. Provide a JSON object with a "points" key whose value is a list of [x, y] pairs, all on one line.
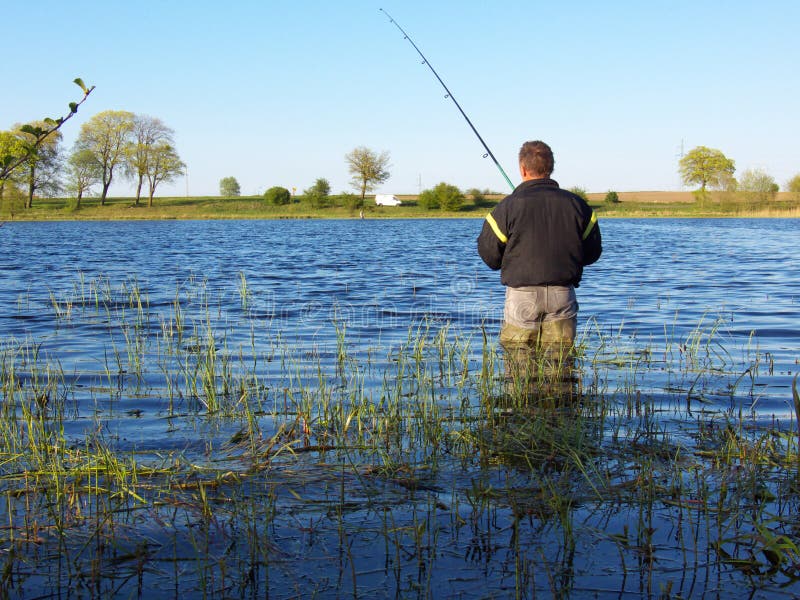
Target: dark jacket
{"points": [[540, 235]]}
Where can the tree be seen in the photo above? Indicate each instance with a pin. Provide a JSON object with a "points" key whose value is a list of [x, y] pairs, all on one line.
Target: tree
{"points": [[229, 187], [318, 193], [107, 135], [278, 196], [611, 198], [444, 196], [707, 167], [757, 185], [13, 149], [149, 135], [163, 165], [793, 185], [83, 172], [13, 154], [41, 167], [368, 169]]}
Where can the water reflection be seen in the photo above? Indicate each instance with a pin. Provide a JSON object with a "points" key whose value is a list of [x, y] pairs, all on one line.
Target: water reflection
{"points": [[540, 364]]}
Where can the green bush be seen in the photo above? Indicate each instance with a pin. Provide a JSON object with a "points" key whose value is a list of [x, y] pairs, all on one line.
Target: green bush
{"points": [[349, 200], [612, 198], [318, 193], [444, 196], [428, 200], [793, 185], [478, 197], [579, 191], [277, 196]]}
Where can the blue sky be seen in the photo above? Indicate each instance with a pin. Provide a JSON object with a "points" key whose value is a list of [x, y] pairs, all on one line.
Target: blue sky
{"points": [[276, 93]]}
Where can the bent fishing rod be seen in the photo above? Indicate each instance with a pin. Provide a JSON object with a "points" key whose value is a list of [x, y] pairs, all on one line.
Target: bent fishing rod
{"points": [[425, 61]]}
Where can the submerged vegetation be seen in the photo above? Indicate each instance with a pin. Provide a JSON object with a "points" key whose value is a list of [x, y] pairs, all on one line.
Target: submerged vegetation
{"points": [[200, 450]]}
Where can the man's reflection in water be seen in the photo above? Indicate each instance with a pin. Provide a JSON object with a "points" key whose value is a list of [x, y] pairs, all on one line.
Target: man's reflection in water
{"points": [[540, 363]]}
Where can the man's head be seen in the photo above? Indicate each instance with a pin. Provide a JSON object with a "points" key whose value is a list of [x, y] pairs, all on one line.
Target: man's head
{"points": [[535, 160]]}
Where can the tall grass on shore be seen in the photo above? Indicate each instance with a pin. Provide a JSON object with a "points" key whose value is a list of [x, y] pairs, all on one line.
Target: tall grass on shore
{"points": [[201, 452]]}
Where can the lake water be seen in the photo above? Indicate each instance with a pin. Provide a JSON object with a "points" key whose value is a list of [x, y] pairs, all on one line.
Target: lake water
{"points": [[90, 297], [657, 279]]}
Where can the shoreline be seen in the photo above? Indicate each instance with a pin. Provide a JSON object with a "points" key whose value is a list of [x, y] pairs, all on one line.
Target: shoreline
{"points": [[633, 205]]}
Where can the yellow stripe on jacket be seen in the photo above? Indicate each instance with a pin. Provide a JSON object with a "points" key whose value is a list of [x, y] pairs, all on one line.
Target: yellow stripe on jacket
{"points": [[496, 228]]}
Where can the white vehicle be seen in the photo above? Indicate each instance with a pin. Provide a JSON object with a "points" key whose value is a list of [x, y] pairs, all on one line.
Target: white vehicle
{"points": [[387, 200]]}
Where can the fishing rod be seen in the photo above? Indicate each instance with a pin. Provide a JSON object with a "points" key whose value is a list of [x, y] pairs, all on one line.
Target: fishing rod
{"points": [[425, 61]]}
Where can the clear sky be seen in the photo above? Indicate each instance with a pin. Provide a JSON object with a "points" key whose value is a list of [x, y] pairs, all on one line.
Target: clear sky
{"points": [[276, 93]]}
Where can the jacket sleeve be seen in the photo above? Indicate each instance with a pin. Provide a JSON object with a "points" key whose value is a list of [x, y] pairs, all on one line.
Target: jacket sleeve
{"points": [[592, 240], [493, 238]]}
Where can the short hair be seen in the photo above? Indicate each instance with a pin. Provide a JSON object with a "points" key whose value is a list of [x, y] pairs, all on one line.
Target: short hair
{"points": [[537, 158]]}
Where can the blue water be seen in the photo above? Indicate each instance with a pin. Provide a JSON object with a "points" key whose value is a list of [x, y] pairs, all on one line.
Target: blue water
{"points": [[683, 312], [382, 276]]}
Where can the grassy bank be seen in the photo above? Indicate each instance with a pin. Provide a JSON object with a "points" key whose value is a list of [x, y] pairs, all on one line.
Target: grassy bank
{"points": [[632, 204]]}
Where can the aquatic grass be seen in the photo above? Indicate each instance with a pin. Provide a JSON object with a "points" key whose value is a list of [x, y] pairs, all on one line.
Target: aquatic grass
{"points": [[429, 453]]}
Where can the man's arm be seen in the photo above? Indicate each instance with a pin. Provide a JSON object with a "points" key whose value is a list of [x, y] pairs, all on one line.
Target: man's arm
{"points": [[592, 241], [492, 242]]}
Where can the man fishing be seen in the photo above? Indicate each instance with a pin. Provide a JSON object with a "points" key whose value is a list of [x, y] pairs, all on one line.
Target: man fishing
{"points": [[540, 238]]}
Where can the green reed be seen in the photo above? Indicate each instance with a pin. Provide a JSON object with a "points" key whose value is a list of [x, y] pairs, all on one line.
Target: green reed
{"points": [[315, 440]]}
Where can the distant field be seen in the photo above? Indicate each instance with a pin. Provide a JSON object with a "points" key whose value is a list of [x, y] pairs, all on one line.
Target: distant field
{"points": [[676, 197]]}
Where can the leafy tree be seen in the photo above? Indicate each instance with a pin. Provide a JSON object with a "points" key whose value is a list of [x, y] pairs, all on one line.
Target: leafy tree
{"points": [[611, 198], [229, 187], [368, 169], [107, 135], [83, 172], [42, 167], [14, 156], [163, 165], [793, 185], [318, 193], [708, 168], [150, 136], [758, 185], [278, 196], [444, 196], [13, 153], [13, 148]]}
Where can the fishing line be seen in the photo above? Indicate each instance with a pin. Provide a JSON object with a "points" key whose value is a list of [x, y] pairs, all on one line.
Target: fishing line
{"points": [[425, 61]]}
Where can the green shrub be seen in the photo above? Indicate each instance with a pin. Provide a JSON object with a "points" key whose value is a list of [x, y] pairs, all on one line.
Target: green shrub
{"points": [[793, 185], [579, 191], [444, 196], [350, 200], [478, 197], [317, 194], [612, 198], [428, 200], [277, 196]]}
